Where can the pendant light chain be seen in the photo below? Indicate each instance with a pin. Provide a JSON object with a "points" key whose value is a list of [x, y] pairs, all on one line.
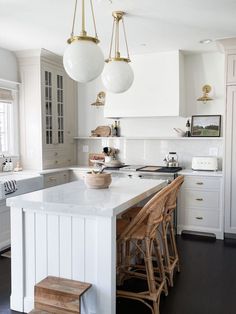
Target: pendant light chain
{"points": [[94, 21], [73, 24], [126, 41]]}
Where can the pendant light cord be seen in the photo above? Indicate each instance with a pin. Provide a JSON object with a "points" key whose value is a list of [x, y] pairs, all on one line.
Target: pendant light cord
{"points": [[117, 42], [83, 19], [112, 38], [118, 17], [73, 24], [126, 41], [83, 31], [93, 15]]}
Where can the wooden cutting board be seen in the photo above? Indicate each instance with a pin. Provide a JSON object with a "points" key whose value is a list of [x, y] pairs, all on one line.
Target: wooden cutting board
{"points": [[95, 156], [101, 131]]}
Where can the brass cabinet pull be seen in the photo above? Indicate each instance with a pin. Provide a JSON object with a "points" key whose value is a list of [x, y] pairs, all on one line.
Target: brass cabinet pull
{"points": [[199, 218], [199, 183], [52, 179], [199, 199]]}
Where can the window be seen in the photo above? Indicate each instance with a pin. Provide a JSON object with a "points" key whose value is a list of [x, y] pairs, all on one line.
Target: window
{"points": [[4, 126], [8, 123]]}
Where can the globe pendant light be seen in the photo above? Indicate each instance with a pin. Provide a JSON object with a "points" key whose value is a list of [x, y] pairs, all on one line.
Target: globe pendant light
{"points": [[118, 75], [83, 59]]}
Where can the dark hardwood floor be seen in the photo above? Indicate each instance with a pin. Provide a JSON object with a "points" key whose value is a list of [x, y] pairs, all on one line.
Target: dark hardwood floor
{"points": [[206, 284]]}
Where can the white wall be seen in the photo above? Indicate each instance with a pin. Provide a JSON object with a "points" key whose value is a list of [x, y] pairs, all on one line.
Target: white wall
{"points": [[89, 117], [8, 66], [200, 69]]}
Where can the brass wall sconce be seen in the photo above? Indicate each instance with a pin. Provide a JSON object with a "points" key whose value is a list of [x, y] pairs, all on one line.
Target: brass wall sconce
{"points": [[100, 100], [206, 90]]}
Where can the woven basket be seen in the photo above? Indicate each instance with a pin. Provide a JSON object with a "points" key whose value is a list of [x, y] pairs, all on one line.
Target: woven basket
{"points": [[97, 181]]}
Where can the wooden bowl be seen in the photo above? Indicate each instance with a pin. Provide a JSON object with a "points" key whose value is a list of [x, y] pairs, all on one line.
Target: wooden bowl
{"points": [[97, 180]]}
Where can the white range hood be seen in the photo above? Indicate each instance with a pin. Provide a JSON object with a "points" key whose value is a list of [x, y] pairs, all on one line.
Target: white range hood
{"points": [[157, 90]]}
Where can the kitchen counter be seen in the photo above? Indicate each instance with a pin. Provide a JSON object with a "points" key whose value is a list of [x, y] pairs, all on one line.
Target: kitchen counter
{"points": [[70, 231], [89, 168], [75, 198], [190, 172]]}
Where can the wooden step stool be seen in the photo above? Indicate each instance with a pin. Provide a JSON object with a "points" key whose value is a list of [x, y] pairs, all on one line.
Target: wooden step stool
{"points": [[58, 296]]}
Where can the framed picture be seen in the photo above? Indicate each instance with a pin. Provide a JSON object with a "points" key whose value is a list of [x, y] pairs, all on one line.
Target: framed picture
{"points": [[206, 126]]}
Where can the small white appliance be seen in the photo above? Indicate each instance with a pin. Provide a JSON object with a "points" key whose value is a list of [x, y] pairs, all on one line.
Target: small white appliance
{"points": [[205, 163]]}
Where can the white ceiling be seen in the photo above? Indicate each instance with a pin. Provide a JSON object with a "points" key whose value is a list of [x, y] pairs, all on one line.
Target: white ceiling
{"points": [[151, 25]]}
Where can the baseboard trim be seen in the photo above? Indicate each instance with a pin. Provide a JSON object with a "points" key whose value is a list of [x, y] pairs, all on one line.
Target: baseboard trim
{"points": [[195, 235], [28, 304], [230, 236]]}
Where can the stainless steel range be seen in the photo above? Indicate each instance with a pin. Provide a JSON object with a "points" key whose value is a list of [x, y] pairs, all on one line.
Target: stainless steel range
{"points": [[147, 172]]}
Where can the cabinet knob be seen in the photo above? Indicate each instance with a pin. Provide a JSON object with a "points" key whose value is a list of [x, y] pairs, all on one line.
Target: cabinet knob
{"points": [[199, 218], [199, 199], [140, 176], [56, 161], [130, 175], [199, 183]]}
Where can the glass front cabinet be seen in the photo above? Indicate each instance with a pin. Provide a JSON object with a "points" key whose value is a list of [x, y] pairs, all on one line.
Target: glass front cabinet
{"points": [[53, 93]]}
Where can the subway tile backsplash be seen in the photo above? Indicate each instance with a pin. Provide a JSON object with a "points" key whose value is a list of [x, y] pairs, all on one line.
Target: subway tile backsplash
{"points": [[153, 151]]}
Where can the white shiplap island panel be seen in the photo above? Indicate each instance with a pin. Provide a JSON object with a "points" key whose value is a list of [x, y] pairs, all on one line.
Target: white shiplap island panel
{"points": [[70, 231]]}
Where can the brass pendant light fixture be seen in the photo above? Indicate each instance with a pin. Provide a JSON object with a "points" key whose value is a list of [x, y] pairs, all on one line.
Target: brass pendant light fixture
{"points": [[117, 76], [83, 59], [206, 90]]}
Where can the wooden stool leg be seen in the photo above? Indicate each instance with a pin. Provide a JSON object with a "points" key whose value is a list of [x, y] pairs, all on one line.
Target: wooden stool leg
{"points": [[164, 227], [156, 306], [150, 273], [176, 254], [160, 264]]}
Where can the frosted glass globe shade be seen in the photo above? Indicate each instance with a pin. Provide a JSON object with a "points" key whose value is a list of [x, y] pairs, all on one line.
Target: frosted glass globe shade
{"points": [[117, 76], [83, 60]]}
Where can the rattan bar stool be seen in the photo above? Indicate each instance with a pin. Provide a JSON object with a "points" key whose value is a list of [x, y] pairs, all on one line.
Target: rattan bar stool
{"points": [[139, 237], [169, 247], [170, 252]]}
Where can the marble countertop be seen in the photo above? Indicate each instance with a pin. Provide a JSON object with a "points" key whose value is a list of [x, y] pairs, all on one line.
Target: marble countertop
{"points": [[190, 172], [17, 176], [75, 198], [89, 168]]}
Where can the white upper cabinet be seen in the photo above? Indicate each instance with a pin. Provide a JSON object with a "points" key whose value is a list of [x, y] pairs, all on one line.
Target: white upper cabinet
{"points": [[157, 89], [48, 100], [231, 69]]}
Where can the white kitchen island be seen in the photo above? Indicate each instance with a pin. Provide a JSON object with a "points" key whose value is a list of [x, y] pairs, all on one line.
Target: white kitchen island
{"points": [[70, 231]]}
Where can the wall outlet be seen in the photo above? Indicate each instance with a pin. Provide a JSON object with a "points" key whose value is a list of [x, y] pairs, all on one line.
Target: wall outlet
{"points": [[213, 151], [85, 149]]}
